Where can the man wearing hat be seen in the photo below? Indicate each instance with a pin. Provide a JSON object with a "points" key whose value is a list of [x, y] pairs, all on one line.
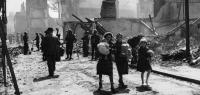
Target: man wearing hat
{"points": [[51, 46]]}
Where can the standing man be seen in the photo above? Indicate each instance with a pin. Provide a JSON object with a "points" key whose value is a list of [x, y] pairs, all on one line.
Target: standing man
{"points": [[37, 38], [85, 44], [26, 47], [70, 40], [95, 39], [51, 46]]}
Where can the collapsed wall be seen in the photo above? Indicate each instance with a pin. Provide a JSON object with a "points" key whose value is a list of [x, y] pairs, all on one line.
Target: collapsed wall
{"points": [[173, 10], [37, 17]]}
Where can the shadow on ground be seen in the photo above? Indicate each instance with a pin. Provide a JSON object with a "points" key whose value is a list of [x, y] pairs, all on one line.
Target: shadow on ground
{"points": [[122, 90], [146, 88], [143, 88], [44, 78], [102, 92]]}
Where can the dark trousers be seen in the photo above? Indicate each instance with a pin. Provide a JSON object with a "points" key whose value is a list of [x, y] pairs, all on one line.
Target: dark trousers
{"points": [[85, 50], [51, 64], [26, 48], [69, 50], [94, 52]]}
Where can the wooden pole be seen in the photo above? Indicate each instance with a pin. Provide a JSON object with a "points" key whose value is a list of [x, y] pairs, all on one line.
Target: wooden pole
{"points": [[3, 33], [4, 65], [187, 30], [9, 63]]}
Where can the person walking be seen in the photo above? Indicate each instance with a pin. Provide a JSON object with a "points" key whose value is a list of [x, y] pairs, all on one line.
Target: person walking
{"points": [[105, 65], [26, 47], [70, 40], [37, 39], [144, 60], [95, 39], [51, 46], [121, 60]]}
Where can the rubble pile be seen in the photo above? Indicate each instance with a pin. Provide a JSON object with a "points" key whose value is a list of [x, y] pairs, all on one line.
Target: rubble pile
{"points": [[178, 55], [15, 51], [175, 50]]}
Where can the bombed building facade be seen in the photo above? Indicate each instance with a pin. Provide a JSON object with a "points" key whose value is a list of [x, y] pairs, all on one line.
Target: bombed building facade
{"points": [[117, 16]]}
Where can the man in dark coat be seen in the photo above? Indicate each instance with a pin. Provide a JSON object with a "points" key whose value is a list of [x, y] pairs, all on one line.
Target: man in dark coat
{"points": [[37, 39], [51, 46], [26, 47], [95, 39], [85, 44], [70, 40]]}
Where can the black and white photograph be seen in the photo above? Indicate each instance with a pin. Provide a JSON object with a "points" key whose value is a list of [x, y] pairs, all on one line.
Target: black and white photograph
{"points": [[99, 47]]}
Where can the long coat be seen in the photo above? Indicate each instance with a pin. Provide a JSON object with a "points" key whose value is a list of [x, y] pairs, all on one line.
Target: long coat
{"points": [[51, 45], [105, 65], [143, 59], [120, 59], [26, 47]]}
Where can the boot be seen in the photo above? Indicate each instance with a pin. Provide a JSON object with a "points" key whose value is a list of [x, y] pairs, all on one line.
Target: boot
{"points": [[100, 86], [113, 89], [121, 85]]}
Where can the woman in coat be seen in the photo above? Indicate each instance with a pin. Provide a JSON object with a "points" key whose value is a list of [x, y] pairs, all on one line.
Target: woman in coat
{"points": [[144, 59], [105, 65], [121, 60]]}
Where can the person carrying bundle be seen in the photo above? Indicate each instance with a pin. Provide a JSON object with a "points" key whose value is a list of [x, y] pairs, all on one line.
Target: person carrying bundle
{"points": [[105, 65], [144, 60]]}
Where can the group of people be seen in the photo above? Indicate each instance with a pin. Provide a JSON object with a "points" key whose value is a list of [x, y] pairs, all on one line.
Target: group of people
{"points": [[70, 39], [117, 55], [26, 45]]}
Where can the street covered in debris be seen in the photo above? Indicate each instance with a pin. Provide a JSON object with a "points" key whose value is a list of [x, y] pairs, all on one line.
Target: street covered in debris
{"points": [[79, 77], [64, 47]]}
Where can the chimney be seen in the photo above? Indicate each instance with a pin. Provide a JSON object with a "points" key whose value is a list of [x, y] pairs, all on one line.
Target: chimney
{"points": [[109, 9]]}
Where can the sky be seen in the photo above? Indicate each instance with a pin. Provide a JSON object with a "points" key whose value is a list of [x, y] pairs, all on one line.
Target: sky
{"points": [[14, 5]]}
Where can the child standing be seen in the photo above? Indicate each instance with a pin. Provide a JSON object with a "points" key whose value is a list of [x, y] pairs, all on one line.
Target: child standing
{"points": [[144, 60], [121, 60], [105, 65]]}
